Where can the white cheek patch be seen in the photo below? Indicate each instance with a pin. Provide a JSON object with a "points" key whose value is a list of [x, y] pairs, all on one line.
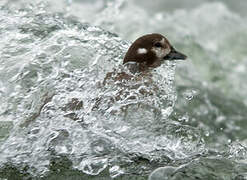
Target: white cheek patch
{"points": [[161, 52], [142, 51]]}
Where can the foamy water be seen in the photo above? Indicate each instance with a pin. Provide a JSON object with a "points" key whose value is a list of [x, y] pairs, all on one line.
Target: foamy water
{"points": [[59, 117]]}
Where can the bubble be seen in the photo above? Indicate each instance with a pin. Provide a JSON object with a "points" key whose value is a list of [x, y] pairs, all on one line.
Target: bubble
{"points": [[115, 171], [163, 173], [93, 166], [189, 94]]}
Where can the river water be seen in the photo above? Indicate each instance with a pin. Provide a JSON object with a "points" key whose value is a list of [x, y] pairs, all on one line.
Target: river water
{"points": [[60, 120]]}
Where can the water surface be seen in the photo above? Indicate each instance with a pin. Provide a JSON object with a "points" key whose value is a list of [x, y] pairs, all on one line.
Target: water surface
{"points": [[59, 120]]}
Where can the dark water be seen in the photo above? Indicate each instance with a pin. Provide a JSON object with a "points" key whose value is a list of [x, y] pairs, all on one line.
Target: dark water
{"points": [[58, 120]]}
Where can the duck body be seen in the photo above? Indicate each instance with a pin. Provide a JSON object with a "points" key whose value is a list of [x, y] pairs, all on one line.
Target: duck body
{"points": [[132, 83]]}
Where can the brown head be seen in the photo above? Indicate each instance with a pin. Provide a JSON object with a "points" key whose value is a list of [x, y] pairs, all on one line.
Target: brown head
{"points": [[152, 50]]}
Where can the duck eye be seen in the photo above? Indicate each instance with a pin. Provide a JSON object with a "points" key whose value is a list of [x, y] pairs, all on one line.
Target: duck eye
{"points": [[158, 44]]}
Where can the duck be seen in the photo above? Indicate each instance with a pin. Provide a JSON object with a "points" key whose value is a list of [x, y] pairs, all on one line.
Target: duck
{"points": [[150, 51], [145, 53], [133, 80]]}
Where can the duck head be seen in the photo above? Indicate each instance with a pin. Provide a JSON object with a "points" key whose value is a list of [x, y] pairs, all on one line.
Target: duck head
{"points": [[151, 50]]}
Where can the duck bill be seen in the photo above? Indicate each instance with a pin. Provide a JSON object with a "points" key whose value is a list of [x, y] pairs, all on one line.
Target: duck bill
{"points": [[175, 55]]}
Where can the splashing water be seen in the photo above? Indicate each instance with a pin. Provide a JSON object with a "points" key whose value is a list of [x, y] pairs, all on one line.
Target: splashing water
{"points": [[59, 110]]}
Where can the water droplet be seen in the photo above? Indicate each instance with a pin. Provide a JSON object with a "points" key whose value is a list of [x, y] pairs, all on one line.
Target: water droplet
{"points": [[207, 133], [93, 166], [184, 118], [189, 94], [115, 171], [163, 173]]}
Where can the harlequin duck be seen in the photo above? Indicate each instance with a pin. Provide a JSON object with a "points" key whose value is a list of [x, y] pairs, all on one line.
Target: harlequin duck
{"points": [[133, 81], [150, 51], [147, 52]]}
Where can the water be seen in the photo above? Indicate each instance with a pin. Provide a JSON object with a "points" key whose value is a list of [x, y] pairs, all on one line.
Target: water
{"points": [[60, 118]]}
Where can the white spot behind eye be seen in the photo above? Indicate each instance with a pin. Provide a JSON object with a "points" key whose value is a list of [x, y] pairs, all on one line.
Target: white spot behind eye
{"points": [[142, 51], [162, 41]]}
